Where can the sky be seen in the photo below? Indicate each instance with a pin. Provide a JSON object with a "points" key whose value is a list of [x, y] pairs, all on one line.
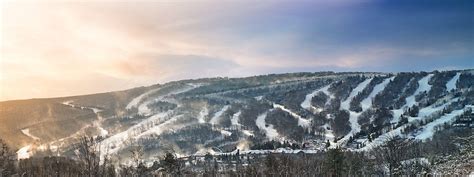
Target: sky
{"points": [[74, 47]]}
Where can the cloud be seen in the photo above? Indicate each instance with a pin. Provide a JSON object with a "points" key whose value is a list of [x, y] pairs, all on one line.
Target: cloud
{"points": [[47, 46]]}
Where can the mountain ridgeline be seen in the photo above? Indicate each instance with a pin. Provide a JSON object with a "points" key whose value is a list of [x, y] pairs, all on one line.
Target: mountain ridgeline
{"points": [[309, 111]]}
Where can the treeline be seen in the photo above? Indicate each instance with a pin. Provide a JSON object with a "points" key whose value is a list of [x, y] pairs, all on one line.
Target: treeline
{"points": [[450, 152]]}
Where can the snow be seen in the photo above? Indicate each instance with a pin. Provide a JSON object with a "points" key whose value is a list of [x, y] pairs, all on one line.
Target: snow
{"points": [[119, 139], [301, 121], [24, 152], [346, 103], [135, 101], [451, 84], [279, 151], [270, 132], [355, 127], [329, 133], [426, 111], [202, 115], [27, 133], [217, 115], [423, 86], [143, 108], [248, 133], [306, 104], [429, 129], [235, 119], [225, 132], [367, 102]]}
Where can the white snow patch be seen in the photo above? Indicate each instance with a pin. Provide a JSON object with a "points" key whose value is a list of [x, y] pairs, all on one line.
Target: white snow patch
{"points": [[346, 103], [301, 121], [306, 104], [235, 119], [24, 152], [423, 86], [428, 129], [451, 84], [143, 108], [248, 133], [367, 102], [217, 115], [26, 131], [135, 101], [202, 115], [225, 132], [270, 132]]}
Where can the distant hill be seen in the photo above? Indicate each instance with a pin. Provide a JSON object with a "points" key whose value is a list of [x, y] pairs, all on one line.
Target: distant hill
{"points": [[355, 110]]}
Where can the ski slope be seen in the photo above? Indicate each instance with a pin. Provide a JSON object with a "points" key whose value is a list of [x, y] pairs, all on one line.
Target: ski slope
{"points": [[26, 132], [235, 119], [429, 129], [451, 84], [215, 119], [367, 102], [305, 123], [306, 104], [423, 86], [269, 131], [353, 116], [346, 103]]}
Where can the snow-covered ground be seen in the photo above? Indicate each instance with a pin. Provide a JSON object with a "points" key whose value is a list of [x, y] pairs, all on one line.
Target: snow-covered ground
{"points": [[346, 103], [26, 131], [136, 101], [235, 119], [305, 123], [353, 116], [429, 129], [367, 102], [215, 119], [202, 115], [116, 142], [451, 84], [24, 152], [143, 108], [269, 131], [423, 86], [306, 104]]}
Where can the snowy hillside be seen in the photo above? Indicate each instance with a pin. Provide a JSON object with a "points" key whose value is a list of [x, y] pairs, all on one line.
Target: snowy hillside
{"points": [[357, 111]]}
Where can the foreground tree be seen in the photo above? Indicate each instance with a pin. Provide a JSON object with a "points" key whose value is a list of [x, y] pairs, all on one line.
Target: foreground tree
{"points": [[7, 160]]}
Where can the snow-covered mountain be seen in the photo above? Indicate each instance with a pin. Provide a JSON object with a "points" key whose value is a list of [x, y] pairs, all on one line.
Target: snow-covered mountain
{"points": [[354, 110]]}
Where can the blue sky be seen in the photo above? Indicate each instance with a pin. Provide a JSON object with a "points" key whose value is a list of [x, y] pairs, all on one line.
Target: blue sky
{"points": [[49, 47]]}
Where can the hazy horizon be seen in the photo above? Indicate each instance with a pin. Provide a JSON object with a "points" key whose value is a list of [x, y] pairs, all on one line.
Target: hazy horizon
{"points": [[55, 49]]}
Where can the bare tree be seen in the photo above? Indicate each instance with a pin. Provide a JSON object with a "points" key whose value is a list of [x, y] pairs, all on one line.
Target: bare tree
{"points": [[7, 158]]}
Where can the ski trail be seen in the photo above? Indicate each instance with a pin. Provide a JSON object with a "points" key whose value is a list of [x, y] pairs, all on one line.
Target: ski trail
{"points": [[423, 86], [202, 115], [451, 84], [115, 142], [367, 102], [162, 127], [26, 131], [269, 131], [424, 112], [136, 101], [97, 124], [306, 104], [301, 122], [235, 119], [143, 108], [24, 152], [215, 119], [346, 103], [355, 127], [429, 129]]}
